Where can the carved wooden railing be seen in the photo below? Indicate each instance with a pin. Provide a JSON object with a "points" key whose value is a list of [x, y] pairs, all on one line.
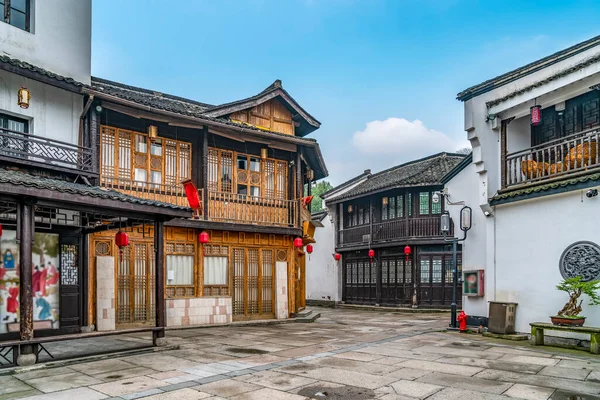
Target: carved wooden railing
{"points": [[245, 209], [395, 229], [53, 154], [564, 156], [171, 194]]}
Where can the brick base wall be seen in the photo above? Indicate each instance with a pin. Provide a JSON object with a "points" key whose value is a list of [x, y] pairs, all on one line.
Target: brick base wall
{"points": [[199, 311]]}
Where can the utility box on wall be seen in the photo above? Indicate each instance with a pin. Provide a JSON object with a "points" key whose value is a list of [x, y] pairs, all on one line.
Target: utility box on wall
{"points": [[502, 317], [473, 283]]}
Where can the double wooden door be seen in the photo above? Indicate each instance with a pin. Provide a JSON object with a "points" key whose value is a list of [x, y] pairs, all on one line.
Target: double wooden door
{"points": [[253, 283], [135, 284], [436, 279]]}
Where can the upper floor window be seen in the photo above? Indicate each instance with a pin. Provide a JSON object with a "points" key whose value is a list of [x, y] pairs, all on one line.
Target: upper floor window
{"points": [[132, 159], [248, 175], [427, 206], [13, 124], [357, 214], [17, 13], [392, 207]]}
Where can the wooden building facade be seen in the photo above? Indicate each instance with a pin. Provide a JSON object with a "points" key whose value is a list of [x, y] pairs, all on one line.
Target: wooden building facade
{"points": [[396, 215], [250, 164]]}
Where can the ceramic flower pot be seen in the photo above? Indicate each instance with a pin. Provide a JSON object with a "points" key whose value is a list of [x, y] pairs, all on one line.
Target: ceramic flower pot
{"points": [[558, 320]]}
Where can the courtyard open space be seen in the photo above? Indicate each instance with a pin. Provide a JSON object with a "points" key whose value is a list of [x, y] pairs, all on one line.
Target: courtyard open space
{"points": [[346, 354]]}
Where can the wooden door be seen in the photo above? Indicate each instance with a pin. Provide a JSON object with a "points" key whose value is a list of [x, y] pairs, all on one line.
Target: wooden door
{"points": [[360, 280], [396, 280], [299, 282], [436, 278], [253, 281], [71, 307], [135, 285]]}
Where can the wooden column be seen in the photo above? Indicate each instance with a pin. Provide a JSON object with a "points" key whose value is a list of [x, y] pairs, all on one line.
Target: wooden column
{"points": [[159, 274], [25, 260], [299, 184], [503, 152], [308, 193], [204, 184]]}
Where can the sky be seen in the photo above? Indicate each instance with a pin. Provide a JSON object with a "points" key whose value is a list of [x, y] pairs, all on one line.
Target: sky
{"points": [[380, 75]]}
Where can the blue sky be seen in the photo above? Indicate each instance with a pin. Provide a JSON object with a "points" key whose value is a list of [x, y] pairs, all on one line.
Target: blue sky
{"points": [[381, 76]]}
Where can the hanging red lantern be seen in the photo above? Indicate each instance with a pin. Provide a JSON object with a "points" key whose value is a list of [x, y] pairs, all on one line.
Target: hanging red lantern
{"points": [[191, 192], [203, 237], [371, 253], [309, 249], [536, 115], [407, 251], [121, 240], [337, 256], [0, 230], [298, 243]]}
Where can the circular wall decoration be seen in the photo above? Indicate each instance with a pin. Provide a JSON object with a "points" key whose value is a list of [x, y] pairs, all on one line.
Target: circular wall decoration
{"points": [[581, 259]]}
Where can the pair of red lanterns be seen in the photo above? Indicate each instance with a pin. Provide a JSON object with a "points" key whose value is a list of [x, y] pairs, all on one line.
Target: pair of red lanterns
{"points": [[407, 251], [122, 238], [298, 244]]}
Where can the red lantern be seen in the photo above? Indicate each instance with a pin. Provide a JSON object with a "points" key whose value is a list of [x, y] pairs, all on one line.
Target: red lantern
{"points": [[298, 243], [371, 253], [121, 240], [309, 249], [191, 192], [407, 251], [536, 115], [337, 256], [0, 230], [203, 237]]}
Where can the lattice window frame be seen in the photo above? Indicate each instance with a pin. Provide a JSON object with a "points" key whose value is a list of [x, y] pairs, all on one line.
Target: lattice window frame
{"points": [[182, 248]]}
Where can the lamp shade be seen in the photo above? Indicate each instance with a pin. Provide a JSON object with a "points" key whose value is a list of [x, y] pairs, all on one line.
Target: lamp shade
{"points": [[337, 256], [536, 115], [298, 242], [309, 248], [24, 97], [121, 239], [264, 152], [191, 192], [445, 222], [152, 132], [203, 237]]}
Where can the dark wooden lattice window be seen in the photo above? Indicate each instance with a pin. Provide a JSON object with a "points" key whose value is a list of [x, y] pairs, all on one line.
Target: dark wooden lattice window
{"points": [[69, 273], [16, 13]]}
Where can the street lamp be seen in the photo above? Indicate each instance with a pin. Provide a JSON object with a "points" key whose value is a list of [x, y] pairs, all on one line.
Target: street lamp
{"points": [[465, 225]]}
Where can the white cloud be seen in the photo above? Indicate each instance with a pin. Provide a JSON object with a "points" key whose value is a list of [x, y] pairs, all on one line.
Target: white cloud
{"points": [[402, 138]]}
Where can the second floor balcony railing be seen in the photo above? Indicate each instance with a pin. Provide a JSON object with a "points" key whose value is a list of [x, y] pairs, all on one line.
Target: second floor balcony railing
{"points": [[392, 230], [246, 209], [553, 159], [148, 191], [44, 152]]}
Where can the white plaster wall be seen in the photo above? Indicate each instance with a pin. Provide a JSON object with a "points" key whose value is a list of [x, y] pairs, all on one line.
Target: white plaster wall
{"points": [[53, 113], [105, 294], [518, 134], [531, 236], [463, 187], [60, 39], [281, 290], [322, 271]]}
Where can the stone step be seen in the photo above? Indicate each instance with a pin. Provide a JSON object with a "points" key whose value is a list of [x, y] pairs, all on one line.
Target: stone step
{"points": [[307, 316]]}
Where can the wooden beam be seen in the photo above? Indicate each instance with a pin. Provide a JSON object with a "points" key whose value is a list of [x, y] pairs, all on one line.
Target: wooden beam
{"points": [[503, 153], [204, 185], [135, 113], [234, 227]]}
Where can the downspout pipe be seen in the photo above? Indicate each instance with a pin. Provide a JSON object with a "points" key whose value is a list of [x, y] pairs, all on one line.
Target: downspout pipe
{"points": [[86, 108]]}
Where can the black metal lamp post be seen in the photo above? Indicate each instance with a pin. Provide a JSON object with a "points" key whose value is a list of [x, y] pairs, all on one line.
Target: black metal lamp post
{"points": [[465, 225]]}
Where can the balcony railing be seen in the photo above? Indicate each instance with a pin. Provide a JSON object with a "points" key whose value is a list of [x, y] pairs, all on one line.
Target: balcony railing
{"points": [[245, 209], [48, 153], [392, 230], [148, 191], [554, 159]]}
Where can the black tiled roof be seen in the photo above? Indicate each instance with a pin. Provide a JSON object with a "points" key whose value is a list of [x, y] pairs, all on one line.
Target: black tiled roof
{"points": [[427, 171], [347, 183], [21, 178], [527, 69], [32, 68]]}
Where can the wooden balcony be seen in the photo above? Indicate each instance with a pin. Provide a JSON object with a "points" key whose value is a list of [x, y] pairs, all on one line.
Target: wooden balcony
{"points": [[245, 209], [148, 191], [553, 160], [31, 150], [392, 230]]}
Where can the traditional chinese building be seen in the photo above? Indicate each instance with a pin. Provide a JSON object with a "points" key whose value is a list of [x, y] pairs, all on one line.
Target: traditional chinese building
{"points": [[99, 235], [382, 238]]}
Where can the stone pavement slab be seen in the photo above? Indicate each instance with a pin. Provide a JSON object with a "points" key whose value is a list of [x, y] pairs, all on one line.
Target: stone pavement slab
{"points": [[228, 388], [55, 383], [268, 394], [417, 390], [182, 394], [351, 378], [569, 373], [463, 370], [468, 383], [72, 394], [529, 392], [128, 386]]}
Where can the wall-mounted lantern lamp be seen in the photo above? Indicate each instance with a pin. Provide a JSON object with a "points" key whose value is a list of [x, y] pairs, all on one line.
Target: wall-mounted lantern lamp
{"points": [[152, 132], [24, 97], [350, 209], [264, 152], [385, 201]]}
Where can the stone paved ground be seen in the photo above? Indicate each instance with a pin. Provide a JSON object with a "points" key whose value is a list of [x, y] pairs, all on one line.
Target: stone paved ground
{"points": [[346, 354]]}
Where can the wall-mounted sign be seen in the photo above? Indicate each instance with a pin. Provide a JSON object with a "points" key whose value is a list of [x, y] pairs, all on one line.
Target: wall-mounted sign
{"points": [[473, 283]]}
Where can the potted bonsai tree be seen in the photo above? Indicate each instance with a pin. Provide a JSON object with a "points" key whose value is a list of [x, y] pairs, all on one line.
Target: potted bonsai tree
{"points": [[570, 314]]}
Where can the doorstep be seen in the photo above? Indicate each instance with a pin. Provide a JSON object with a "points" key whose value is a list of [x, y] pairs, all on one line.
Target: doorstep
{"points": [[394, 309]]}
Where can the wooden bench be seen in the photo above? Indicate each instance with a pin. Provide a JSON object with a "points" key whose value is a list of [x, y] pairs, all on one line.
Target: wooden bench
{"points": [[538, 328]]}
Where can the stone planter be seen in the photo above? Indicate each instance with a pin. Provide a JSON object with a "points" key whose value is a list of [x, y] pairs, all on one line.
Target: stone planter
{"points": [[558, 320]]}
